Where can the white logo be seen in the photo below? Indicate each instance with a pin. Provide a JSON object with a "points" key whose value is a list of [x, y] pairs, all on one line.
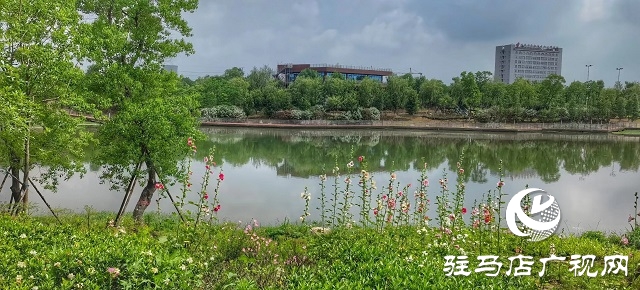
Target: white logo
{"points": [[536, 230]]}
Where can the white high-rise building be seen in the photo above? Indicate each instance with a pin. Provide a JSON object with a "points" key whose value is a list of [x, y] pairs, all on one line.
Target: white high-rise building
{"points": [[527, 61]]}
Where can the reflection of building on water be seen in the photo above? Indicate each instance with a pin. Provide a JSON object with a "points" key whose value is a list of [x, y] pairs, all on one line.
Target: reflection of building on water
{"points": [[527, 173]]}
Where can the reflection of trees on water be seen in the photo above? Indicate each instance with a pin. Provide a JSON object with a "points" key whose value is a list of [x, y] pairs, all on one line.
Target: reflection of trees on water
{"points": [[304, 153]]}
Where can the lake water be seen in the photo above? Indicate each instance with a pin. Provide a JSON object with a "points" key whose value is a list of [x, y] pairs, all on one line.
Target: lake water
{"points": [[593, 177]]}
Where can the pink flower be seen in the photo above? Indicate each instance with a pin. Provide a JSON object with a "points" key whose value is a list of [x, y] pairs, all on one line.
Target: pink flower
{"points": [[476, 224], [375, 211], [207, 167], [425, 182], [159, 185], [452, 217], [464, 210], [217, 208], [393, 176], [461, 170], [624, 240], [360, 158], [399, 193], [206, 196], [447, 231], [384, 196], [221, 176], [114, 272], [206, 159], [475, 211], [501, 183]]}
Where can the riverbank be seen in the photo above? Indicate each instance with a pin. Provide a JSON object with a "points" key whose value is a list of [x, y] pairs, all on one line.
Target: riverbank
{"points": [[82, 252], [432, 125]]}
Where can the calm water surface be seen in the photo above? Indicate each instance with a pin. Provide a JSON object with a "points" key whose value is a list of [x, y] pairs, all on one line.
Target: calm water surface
{"points": [[593, 177]]}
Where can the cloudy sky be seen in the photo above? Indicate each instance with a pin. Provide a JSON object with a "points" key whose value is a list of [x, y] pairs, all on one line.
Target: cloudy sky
{"points": [[437, 38]]}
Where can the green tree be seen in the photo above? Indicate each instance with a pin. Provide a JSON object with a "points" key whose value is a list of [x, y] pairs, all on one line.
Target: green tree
{"points": [[306, 92], [431, 91], [619, 105], [398, 89], [465, 91], [234, 72], [632, 95], [128, 41], [368, 91], [258, 78], [38, 84], [550, 92], [493, 93]]}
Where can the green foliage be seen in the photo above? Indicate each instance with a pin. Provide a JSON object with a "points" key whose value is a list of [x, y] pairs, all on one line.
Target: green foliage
{"points": [[39, 85], [127, 42]]}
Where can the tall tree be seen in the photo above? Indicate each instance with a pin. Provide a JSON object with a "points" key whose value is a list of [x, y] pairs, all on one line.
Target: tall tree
{"points": [[431, 91], [551, 92], [234, 72], [38, 84], [128, 41], [306, 92], [258, 78]]}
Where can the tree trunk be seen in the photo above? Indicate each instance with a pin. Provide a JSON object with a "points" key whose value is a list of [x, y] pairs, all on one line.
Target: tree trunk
{"points": [[147, 193]]}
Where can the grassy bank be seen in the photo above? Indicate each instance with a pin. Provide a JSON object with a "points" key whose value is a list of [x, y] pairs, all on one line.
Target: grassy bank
{"points": [[164, 254], [628, 132]]}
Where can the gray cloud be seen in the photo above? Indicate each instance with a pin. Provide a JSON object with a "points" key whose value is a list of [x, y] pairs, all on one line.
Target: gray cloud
{"points": [[438, 38]]}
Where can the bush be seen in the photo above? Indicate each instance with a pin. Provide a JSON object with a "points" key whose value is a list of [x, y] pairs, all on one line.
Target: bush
{"points": [[317, 112], [293, 115], [370, 113], [222, 112]]}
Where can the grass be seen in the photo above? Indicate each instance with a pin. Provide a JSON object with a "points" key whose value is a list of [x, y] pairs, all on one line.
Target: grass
{"points": [[390, 244], [165, 254], [630, 132]]}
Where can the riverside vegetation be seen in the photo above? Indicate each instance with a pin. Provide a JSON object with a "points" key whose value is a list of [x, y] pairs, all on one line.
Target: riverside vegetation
{"points": [[147, 114], [380, 237]]}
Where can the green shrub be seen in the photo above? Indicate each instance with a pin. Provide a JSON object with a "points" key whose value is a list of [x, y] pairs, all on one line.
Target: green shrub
{"points": [[222, 112]]}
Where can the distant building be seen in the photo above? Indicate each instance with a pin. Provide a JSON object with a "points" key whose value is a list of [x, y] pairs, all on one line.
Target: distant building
{"points": [[530, 62], [288, 72], [171, 68]]}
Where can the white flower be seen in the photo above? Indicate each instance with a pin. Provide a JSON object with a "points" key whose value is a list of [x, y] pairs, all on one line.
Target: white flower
{"points": [[57, 264], [34, 288], [23, 236], [183, 267], [33, 252], [71, 276], [189, 260], [19, 278], [154, 270], [22, 265], [91, 270], [350, 164]]}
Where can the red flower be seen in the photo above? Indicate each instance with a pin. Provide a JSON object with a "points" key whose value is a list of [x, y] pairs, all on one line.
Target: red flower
{"points": [[361, 158], [206, 196], [159, 185], [375, 211], [217, 208], [221, 176], [207, 167], [464, 210]]}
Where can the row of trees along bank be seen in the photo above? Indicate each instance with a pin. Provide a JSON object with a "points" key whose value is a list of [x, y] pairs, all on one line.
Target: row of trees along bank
{"points": [[472, 95]]}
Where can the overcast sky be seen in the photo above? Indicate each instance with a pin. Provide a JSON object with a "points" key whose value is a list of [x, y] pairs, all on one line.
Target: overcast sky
{"points": [[437, 38]]}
